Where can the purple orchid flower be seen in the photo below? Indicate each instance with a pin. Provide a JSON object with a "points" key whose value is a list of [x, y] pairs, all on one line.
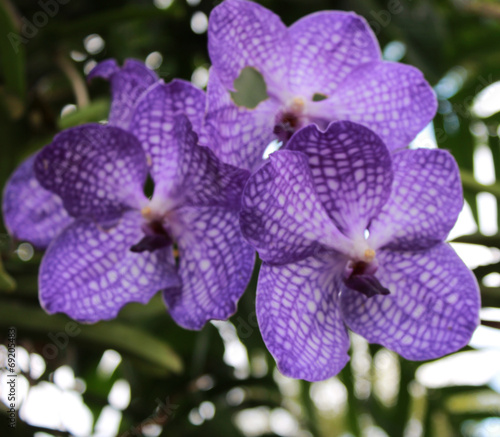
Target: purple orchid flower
{"points": [[325, 67], [120, 248], [36, 215], [110, 244], [351, 235]]}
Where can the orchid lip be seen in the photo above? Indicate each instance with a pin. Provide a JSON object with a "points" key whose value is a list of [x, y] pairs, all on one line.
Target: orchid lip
{"points": [[150, 243], [156, 236], [360, 276], [290, 119]]}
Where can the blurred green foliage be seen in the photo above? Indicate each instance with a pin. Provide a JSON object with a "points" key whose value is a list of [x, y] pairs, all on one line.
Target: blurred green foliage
{"points": [[179, 369]]}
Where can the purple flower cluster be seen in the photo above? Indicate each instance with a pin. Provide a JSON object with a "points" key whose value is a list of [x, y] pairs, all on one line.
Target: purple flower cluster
{"points": [[349, 223]]}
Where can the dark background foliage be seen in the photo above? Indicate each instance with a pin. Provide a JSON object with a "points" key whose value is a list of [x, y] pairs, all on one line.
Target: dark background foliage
{"points": [[178, 378]]}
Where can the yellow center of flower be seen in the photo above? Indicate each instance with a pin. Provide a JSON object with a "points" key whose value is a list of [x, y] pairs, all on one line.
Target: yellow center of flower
{"points": [[146, 212], [297, 105], [369, 255]]}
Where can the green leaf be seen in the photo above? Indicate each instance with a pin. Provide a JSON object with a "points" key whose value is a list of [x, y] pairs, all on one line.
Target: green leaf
{"points": [[490, 296], [352, 406], [461, 145], [12, 59], [111, 335], [494, 143], [470, 183], [482, 271], [6, 282], [483, 240], [474, 402], [492, 121], [94, 112], [309, 408]]}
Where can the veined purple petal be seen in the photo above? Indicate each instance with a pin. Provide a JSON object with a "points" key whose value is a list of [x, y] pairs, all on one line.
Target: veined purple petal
{"points": [[215, 266], [425, 201], [326, 47], [30, 212], [392, 99], [244, 34], [299, 318], [351, 170], [153, 122], [191, 175], [238, 135], [128, 83], [98, 171], [89, 273], [432, 310], [282, 216]]}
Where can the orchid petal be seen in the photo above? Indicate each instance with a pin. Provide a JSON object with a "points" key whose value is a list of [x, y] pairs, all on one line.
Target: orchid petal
{"points": [[425, 201], [238, 135], [89, 273], [326, 47], [98, 171], [215, 266], [245, 34], [432, 310], [31, 212], [282, 216], [351, 170], [154, 120], [128, 84], [299, 318], [394, 100], [192, 175]]}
